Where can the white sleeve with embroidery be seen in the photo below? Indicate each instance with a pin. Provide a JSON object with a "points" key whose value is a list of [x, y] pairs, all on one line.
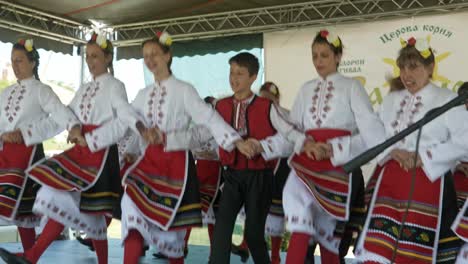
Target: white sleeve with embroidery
{"points": [[42, 129], [138, 108], [370, 127], [203, 114], [440, 158], [346, 148], [130, 144], [386, 106], [112, 131], [295, 116], [190, 139], [277, 146], [133, 143], [207, 151], [59, 118]]}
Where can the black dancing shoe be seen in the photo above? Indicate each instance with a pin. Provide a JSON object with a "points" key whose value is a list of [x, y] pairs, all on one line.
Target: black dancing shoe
{"points": [[160, 255], [145, 248], [11, 258], [86, 242], [241, 252]]}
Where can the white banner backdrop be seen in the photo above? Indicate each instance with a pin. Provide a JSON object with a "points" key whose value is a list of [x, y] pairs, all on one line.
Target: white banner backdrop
{"points": [[370, 52]]}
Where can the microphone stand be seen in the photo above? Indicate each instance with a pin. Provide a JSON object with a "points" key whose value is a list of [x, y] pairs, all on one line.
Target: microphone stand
{"points": [[431, 115], [373, 152]]}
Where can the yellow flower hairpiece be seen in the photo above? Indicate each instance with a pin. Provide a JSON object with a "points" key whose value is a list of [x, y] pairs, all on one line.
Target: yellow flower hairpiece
{"points": [[332, 38], [273, 89], [421, 45], [164, 38], [28, 44], [101, 40]]}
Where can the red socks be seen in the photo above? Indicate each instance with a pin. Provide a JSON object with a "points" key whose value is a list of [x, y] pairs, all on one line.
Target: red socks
{"points": [[176, 260], [243, 244], [187, 236], [108, 221], [275, 249], [297, 250], [51, 231], [133, 247], [28, 237], [328, 256], [100, 246]]}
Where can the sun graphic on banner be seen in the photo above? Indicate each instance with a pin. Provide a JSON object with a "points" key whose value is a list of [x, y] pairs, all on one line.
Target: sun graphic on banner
{"points": [[436, 77], [361, 79]]}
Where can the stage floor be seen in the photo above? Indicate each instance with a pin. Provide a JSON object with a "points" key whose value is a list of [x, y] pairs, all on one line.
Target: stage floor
{"points": [[72, 252]]}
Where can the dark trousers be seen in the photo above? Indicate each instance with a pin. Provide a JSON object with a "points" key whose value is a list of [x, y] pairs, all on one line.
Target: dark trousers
{"points": [[250, 188]]}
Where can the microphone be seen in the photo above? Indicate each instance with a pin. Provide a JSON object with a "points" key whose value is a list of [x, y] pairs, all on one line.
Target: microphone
{"points": [[430, 115]]}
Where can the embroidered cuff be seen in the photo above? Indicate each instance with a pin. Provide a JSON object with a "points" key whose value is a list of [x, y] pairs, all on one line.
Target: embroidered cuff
{"points": [[341, 150], [298, 139], [92, 141], [268, 149], [27, 133], [432, 169], [227, 143]]}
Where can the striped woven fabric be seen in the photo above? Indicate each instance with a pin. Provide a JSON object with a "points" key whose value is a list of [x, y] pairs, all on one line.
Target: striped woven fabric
{"points": [[76, 169], [330, 185], [415, 241], [208, 174], [460, 226], [14, 159], [157, 186], [281, 172]]}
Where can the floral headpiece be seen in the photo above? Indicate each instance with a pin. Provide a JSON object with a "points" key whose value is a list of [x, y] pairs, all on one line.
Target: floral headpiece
{"points": [[100, 39], [421, 44], [273, 89], [270, 87], [164, 38], [332, 38], [28, 44]]}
